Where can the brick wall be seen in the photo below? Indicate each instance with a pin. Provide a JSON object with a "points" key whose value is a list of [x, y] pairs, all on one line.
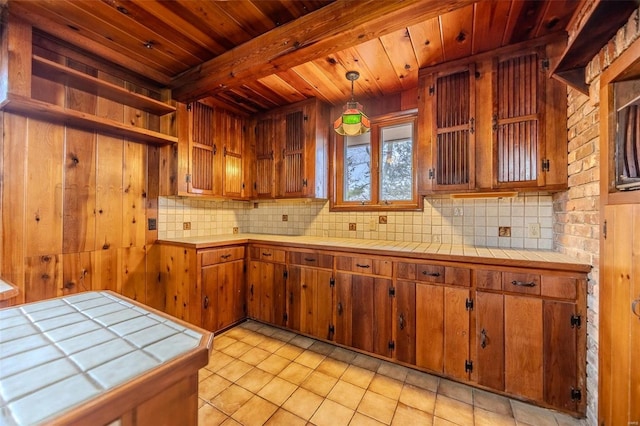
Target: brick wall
{"points": [[576, 212]]}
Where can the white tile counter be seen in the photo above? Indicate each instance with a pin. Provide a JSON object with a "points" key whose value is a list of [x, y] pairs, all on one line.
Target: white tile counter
{"points": [[428, 251], [58, 354]]}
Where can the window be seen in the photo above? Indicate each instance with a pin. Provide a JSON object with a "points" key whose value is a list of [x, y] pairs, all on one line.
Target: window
{"points": [[376, 171]]}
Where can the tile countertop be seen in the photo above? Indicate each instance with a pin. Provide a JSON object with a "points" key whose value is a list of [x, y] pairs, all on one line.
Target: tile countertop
{"points": [[58, 354], [425, 251]]}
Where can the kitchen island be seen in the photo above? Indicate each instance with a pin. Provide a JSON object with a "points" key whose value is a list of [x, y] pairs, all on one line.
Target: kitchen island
{"points": [[98, 358]]}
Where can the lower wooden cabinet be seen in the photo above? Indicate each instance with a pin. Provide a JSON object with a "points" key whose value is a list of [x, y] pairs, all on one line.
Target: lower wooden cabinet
{"points": [[530, 340], [363, 310], [266, 285], [222, 287], [515, 330], [310, 294]]}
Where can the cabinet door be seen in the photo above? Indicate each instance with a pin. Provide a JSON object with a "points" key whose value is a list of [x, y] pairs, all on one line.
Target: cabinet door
{"points": [[619, 375], [310, 300], [442, 329], [453, 115], [363, 313], [523, 340], [517, 122], [266, 292], [293, 181], [265, 164], [405, 322], [222, 295], [211, 276], [560, 354], [489, 359], [202, 149], [343, 311], [230, 301], [230, 133]]}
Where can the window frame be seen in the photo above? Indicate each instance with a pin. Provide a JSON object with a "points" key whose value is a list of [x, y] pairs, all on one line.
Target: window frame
{"points": [[336, 199]]}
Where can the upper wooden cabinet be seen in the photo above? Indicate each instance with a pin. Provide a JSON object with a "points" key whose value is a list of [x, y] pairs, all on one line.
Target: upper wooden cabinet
{"points": [[516, 139], [209, 158], [450, 118], [292, 152]]}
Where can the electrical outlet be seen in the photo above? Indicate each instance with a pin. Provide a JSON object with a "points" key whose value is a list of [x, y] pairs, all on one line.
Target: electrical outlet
{"points": [[504, 231], [352, 226], [534, 230], [152, 224], [186, 226], [373, 224], [235, 229], [382, 220], [285, 217]]}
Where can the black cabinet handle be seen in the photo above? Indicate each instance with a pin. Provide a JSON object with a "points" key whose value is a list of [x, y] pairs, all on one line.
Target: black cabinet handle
{"points": [[483, 338], [523, 283], [339, 308], [291, 298], [401, 321], [431, 274], [363, 266], [206, 302], [266, 254], [225, 256], [309, 259], [251, 291]]}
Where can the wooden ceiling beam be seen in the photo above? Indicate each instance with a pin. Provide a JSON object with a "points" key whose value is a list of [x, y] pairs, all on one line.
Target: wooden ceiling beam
{"points": [[332, 28]]}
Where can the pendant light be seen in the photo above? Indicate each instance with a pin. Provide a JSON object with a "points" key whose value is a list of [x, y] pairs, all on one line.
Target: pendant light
{"points": [[353, 121]]}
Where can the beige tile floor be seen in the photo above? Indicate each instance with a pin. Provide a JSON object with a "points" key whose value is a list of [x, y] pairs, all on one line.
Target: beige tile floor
{"points": [[261, 375]]}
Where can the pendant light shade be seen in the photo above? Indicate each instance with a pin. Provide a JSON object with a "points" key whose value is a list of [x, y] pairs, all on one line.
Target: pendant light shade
{"points": [[353, 121]]}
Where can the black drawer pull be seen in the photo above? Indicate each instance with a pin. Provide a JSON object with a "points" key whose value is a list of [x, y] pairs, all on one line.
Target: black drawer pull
{"points": [[206, 302], [363, 266], [483, 338], [401, 321], [523, 283], [251, 291], [431, 274], [339, 308], [225, 256], [266, 254], [309, 259]]}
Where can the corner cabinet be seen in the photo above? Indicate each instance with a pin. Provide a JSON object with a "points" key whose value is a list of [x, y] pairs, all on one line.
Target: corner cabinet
{"points": [[292, 152], [515, 141], [209, 159]]}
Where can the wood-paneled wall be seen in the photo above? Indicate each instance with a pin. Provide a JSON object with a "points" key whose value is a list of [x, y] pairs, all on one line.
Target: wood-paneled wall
{"points": [[75, 203]]}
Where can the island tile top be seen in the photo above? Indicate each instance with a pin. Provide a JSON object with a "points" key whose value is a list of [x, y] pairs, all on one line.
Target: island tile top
{"points": [[59, 353]]}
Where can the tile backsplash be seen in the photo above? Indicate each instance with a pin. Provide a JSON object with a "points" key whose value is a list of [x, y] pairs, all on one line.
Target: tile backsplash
{"points": [[445, 220]]}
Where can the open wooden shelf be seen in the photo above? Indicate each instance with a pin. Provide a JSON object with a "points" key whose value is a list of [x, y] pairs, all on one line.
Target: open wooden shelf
{"points": [[49, 112], [57, 72]]}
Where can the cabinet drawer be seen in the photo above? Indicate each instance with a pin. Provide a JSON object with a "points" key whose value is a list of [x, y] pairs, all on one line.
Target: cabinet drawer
{"points": [[519, 282], [487, 279], [311, 259], [227, 254], [365, 265], [430, 273], [268, 254], [561, 287]]}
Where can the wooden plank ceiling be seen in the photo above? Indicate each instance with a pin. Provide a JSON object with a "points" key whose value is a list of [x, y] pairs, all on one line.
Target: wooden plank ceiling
{"points": [[254, 55]]}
